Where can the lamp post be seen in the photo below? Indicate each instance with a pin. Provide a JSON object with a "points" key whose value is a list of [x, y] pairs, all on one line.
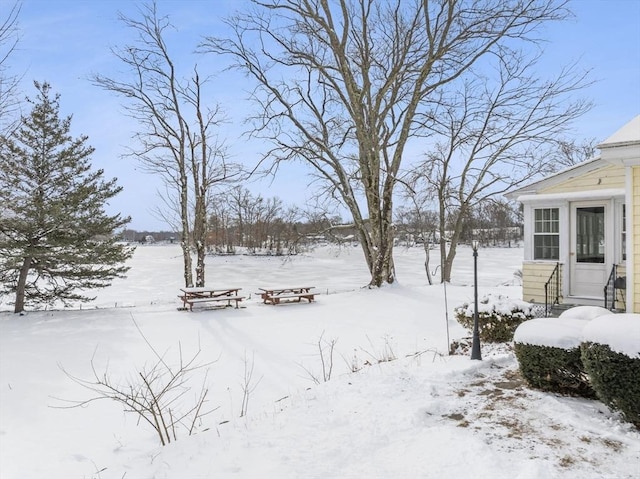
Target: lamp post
{"points": [[475, 347]]}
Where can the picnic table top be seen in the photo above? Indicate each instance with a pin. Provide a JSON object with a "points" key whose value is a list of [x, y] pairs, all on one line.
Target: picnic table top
{"points": [[291, 288], [207, 289]]}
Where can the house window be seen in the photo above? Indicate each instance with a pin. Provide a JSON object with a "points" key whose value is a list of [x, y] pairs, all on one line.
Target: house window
{"points": [[546, 234]]}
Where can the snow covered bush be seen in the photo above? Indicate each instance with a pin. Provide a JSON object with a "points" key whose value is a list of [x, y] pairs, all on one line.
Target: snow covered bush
{"points": [[611, 357], [498, 317], [585, 313], [548, 353]]}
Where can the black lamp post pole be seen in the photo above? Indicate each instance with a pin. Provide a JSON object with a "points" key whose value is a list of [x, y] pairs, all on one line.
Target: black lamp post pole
{"points": [[475, 348]]}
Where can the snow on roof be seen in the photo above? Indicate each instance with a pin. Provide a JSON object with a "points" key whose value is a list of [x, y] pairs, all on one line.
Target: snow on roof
{"points": [[628, 134]]}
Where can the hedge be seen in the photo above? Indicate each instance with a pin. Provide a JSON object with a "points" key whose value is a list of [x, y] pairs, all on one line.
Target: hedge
{"points": [[615, 377], [554, 369], [498, 317]]}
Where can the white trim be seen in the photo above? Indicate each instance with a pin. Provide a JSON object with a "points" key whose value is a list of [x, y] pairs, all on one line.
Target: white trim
{"points": [[565, 247], [618, 203], [529, 230], [631, 232], [588, 195]]}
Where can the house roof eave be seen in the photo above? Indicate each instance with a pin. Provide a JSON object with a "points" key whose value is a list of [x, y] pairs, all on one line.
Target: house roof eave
{"points": [[605, 193], [558, 177]]}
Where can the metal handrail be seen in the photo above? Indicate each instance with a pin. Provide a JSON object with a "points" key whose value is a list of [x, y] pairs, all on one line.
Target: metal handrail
{"points": [[552, 290], [611, 287]]}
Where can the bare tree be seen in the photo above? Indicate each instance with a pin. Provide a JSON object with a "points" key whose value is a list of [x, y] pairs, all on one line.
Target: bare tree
{"points": [[494, 222], [177, 139], [9, 37], [570, 152], [494, 136], [340, 85], [420, 222]]}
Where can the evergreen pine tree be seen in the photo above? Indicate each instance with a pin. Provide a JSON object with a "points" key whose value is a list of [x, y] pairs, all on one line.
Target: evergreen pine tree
{"points": [[56, 241]]}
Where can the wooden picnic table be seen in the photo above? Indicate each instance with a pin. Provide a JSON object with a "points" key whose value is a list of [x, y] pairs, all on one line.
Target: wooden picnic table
{"points": [[276, 295], [205, 294]]}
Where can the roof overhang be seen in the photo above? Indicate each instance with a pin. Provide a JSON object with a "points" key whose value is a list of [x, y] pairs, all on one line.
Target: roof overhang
{"points": [[627, 155], [603, 194], [623, 147], [558, 177]]}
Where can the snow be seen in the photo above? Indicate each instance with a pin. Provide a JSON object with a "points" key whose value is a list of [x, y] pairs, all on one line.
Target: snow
{"points": [[620, 332], [565, 331], [422, 415], [629, 133], [499, 305], [586, 313]]}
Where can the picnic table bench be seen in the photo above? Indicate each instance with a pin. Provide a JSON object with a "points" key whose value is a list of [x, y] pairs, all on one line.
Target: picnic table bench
{"points": [[203, 294], [288, 294]]}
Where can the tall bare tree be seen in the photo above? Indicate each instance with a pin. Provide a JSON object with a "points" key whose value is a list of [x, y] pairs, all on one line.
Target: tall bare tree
{"points": [[177, 139], [495, 134], [340, 84]]}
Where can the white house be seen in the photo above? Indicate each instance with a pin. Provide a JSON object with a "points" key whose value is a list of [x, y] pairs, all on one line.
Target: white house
{"points": [[582, 229]]}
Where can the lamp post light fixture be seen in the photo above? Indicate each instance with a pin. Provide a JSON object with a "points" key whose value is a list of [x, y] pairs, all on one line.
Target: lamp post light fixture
{"points": [[475, 347]]}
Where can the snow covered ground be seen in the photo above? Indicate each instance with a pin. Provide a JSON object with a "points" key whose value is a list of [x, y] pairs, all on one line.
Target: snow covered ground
{"points": [[423, 415]]}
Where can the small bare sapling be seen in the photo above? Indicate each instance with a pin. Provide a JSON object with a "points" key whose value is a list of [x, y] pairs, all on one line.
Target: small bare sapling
{"points": [[325, 354], [248, 387], [380, 355], [157, 394]]}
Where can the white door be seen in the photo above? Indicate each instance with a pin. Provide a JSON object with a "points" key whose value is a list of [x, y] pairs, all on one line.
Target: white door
{"points": [[589, 251]]}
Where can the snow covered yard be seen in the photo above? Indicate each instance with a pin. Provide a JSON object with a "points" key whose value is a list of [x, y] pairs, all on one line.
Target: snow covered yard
{"points": [[423, 415]]}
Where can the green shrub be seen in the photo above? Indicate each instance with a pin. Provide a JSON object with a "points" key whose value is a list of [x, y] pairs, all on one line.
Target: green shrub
{"points": [[498, 317], [615, 378], [554, 369]]}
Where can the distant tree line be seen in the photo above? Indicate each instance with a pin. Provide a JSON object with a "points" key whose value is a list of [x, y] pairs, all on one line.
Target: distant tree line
{"points": [[496, 223], [251, 223]]}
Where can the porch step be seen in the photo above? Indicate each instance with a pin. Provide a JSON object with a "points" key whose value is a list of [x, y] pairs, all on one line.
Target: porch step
{"points": [[556, 309], [585, 300]]}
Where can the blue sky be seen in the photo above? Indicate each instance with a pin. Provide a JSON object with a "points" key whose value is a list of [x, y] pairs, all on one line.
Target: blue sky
{"points": [[65, 41]]}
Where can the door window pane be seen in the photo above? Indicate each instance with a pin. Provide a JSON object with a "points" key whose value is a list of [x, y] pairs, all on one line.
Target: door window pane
{"points": [[590, 235]]}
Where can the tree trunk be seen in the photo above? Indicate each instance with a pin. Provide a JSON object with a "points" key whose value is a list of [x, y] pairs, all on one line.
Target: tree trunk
{"points": [[425, 245], [382, 235], [383, 268], [445, 274], [200, 235], [186, 231], [21, 286]]}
